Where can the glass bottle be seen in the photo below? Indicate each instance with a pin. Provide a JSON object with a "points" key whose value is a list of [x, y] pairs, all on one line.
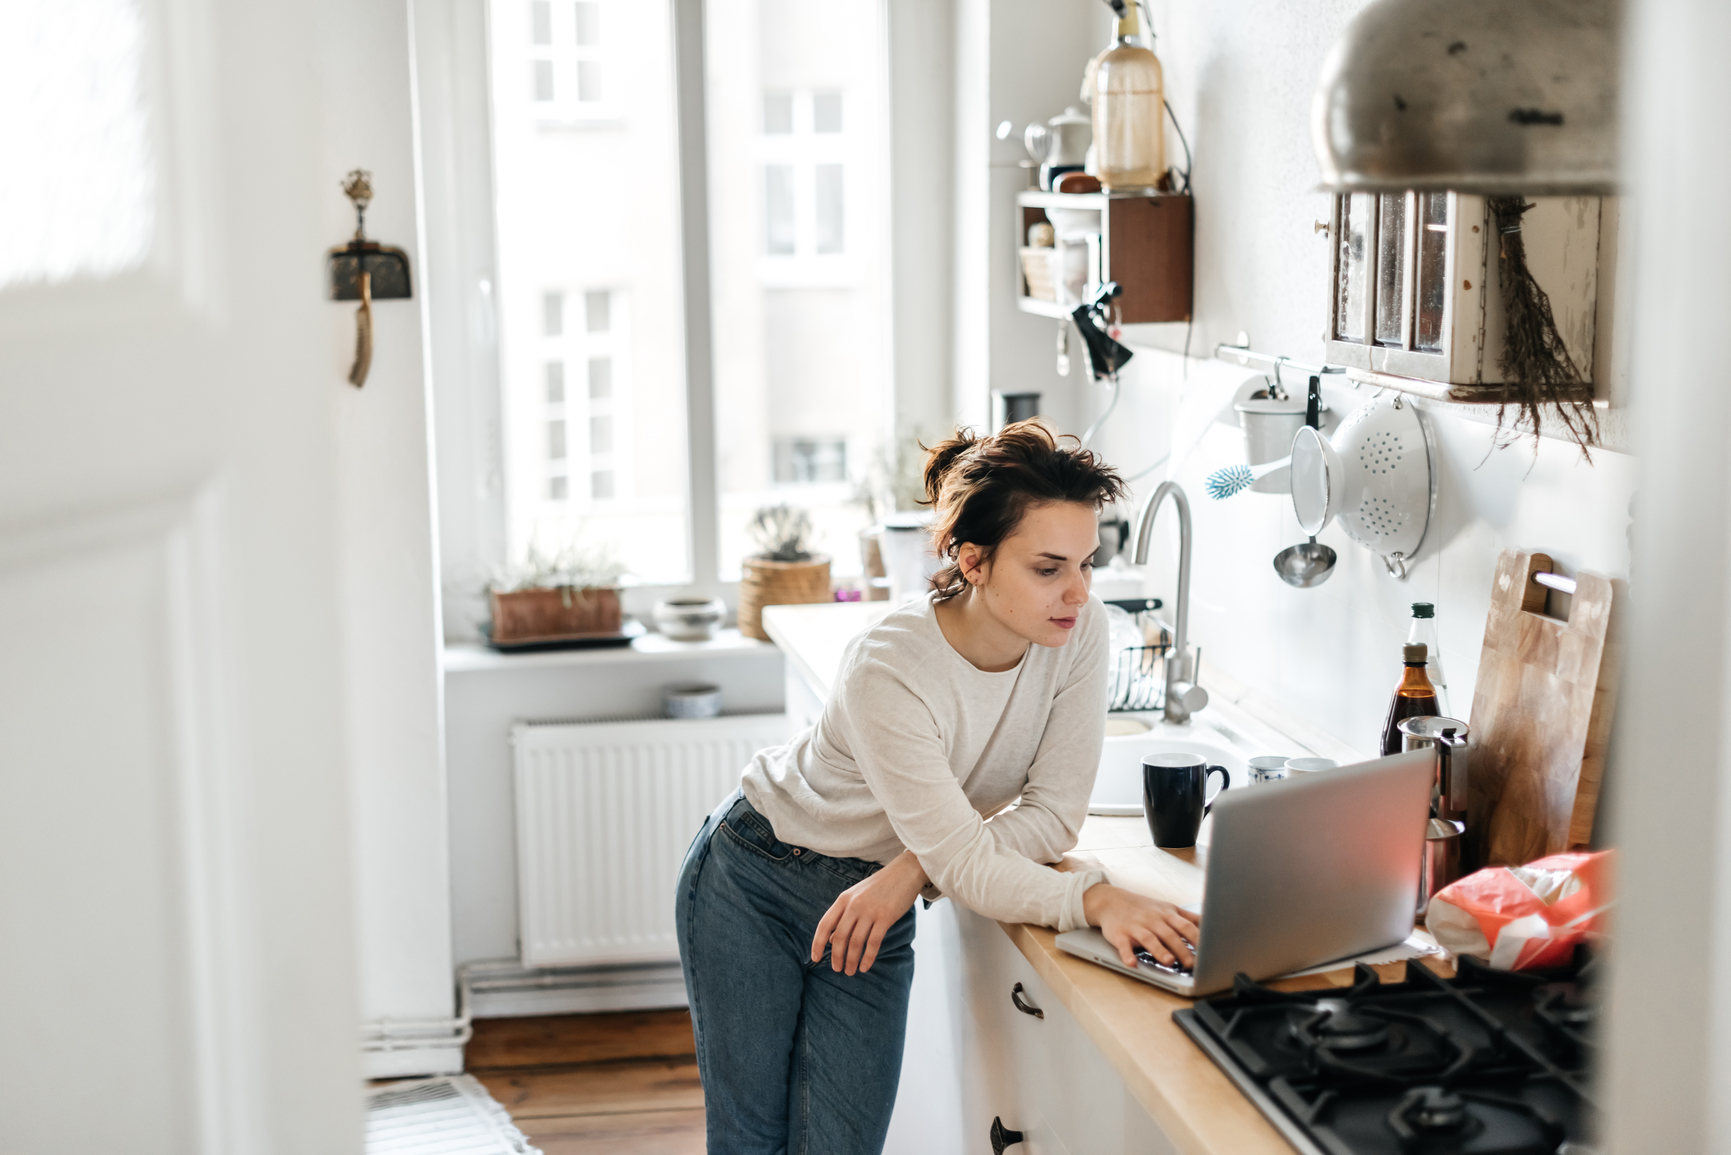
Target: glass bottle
{"points": [[1129, 107], [1423, 633], [1415, 697]]}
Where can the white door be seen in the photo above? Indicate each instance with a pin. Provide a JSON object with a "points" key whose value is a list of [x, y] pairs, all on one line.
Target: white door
{"points": [[176, 970]]}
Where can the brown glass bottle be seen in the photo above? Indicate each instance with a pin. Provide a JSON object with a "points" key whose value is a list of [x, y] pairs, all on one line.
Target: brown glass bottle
{"points": [[1415, 697]]}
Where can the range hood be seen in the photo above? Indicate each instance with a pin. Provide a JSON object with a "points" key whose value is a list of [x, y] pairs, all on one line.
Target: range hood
{"points": [[1495, 97]]}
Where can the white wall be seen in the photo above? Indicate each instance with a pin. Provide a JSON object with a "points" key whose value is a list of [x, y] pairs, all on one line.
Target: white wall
{"points": [[389, 582], [1239, 76]]}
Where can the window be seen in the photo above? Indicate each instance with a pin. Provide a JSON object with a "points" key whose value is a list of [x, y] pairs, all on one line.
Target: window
{"points": [[568, 72], [805, 154], [802, 461], [589, 291], [803, 406]]}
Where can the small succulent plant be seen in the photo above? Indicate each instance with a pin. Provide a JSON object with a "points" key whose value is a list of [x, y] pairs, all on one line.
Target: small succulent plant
{"points": [[782, 533], [574, 567]]}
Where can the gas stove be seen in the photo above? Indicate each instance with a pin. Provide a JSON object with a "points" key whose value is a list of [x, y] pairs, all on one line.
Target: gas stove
{"points": [[1486, 1063]]}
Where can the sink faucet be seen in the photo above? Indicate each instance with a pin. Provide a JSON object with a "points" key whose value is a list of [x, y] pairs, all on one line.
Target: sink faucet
{"points": [[1183, 696]]}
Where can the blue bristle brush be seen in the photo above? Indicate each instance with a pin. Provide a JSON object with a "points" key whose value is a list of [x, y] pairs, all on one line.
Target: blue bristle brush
{"points": [[1223, 483]]}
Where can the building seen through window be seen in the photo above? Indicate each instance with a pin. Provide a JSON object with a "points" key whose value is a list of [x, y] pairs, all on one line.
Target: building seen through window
{"points": [[589, 294]]}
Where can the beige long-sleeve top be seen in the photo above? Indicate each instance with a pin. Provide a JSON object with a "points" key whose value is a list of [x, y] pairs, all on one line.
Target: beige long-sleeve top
{"points": [[917, 749]]}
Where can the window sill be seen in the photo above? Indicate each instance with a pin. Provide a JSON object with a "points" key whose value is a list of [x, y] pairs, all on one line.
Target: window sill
{"points": [[468, 658]]}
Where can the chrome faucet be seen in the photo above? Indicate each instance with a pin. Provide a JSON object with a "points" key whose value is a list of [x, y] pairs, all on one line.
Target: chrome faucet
{"points": [[1183, 696]]}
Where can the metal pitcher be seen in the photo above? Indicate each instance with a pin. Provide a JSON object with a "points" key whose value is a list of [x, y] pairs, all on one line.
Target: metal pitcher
{"points": [[1442, 844]]}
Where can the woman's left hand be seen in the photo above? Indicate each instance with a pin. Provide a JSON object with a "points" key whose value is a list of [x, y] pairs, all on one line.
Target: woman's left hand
{"points": [[855, 924]]}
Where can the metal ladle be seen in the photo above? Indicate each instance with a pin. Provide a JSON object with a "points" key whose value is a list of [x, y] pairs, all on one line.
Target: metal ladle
{"points": [[1307, 564]]}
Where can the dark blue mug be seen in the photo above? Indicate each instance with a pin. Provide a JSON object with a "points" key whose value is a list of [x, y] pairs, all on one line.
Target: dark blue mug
{"points": [[1174, 796]]}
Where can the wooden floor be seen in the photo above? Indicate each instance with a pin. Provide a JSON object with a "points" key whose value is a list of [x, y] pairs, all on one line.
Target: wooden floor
{"points": [[588, 1084]]}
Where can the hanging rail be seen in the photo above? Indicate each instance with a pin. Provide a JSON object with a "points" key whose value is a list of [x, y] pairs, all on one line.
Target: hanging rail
{"points": [[1244, 354]]}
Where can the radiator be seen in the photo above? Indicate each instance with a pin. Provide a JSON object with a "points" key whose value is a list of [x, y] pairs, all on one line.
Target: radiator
{"points": [[605, 812]]}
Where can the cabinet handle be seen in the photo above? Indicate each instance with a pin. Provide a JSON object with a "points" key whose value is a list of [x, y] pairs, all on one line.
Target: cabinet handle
{"points": [[1002, 1137], [1024, 1005]]}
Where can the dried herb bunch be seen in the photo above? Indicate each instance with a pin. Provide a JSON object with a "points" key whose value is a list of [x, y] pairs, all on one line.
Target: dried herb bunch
{"points": [[782, 533], [1536, 365]]}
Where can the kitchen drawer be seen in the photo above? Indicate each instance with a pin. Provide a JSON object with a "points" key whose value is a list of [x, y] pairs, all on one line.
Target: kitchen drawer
{"points": [[1043, 1075]]}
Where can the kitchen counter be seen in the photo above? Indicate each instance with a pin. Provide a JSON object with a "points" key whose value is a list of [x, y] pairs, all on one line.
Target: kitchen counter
{"points": [[1130, 1023]]}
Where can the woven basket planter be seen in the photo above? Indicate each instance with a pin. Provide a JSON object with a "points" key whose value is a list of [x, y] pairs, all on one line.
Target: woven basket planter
{"points": [[779, 583], [554, 614]]}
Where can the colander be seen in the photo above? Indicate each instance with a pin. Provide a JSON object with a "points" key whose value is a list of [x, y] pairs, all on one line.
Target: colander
{"points": [[1374, 475]]}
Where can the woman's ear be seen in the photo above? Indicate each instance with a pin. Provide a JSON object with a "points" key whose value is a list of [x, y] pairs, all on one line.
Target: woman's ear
{"points": [[971, 559]]}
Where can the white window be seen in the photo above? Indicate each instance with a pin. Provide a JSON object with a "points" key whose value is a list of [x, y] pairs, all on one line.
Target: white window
{"points": [[569, 73], [806, 152], [590, 291], [587, 447]]}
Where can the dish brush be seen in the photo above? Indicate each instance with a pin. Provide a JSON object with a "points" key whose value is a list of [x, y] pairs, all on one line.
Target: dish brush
{"points": [[1223, 483]]}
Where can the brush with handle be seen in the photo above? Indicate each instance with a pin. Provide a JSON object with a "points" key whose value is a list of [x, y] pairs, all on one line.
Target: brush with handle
{"points": [[1223, 483]]}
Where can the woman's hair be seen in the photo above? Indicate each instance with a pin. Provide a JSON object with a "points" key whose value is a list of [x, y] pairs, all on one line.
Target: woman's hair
{"points": [[981, 487]]}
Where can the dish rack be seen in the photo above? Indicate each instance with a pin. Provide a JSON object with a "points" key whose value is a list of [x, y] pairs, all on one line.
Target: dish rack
{"points": [[1136, 678]]}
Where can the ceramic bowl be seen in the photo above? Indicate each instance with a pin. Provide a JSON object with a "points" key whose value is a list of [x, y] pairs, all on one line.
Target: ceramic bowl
{"points": [[690, 619], [691, 700]]}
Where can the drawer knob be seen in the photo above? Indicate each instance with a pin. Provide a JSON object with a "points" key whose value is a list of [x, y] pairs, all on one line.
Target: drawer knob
{"points": [[1002, 1137], [1023, 1004]]}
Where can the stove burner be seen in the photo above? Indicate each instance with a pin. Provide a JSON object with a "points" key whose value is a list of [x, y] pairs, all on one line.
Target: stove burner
{"points": [[1341, 1028], [1433, 1109]]}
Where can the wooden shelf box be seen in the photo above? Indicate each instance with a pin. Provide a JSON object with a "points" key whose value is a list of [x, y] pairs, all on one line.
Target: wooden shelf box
{"points": [[1144, 243]]}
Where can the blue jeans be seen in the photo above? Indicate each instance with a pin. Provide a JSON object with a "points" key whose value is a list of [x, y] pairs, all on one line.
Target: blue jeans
{"points": [[796, 1059]]}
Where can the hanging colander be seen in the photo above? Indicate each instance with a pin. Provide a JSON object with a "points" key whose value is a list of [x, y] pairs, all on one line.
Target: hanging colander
{"points": [[1374, 475]]}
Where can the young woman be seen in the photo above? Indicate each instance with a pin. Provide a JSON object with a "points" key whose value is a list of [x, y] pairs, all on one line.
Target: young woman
{"points": [[957, 751]]}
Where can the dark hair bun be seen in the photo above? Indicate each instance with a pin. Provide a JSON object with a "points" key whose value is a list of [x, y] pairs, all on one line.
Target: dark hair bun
{"points": [[982, 486]]}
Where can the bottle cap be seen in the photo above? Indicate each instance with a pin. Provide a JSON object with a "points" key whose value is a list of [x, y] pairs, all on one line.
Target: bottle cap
{"points": [[1423, 610], [1413, 653]]}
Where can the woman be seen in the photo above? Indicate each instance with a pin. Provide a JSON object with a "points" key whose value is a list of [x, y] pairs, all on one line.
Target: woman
{"points": [[957, 751]]}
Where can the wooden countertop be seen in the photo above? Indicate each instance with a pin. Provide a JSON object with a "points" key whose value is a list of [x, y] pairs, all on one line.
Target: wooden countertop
{"points": [[1190, 1098], [1131, 1022]]}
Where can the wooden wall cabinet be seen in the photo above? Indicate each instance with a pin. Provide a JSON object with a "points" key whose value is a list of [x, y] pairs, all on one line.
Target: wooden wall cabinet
{"points": [[1145, 243], [1415, 291]]}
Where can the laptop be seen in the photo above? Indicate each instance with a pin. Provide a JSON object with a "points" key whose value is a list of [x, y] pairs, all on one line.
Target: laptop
{"points": [[1304, 871]]}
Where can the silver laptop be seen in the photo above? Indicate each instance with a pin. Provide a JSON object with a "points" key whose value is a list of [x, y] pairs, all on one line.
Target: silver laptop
{"points": [[1304, 871]]}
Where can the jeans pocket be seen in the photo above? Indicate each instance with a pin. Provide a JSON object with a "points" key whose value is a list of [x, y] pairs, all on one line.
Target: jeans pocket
{"points": [[747, 829]]}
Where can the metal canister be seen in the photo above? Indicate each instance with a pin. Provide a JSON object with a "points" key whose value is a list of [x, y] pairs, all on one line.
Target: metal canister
{"points": [[1442, 843], [1448, 736]]}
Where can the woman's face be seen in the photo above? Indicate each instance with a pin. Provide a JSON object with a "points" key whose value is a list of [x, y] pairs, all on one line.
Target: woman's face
{"points": [[1036, 582]]}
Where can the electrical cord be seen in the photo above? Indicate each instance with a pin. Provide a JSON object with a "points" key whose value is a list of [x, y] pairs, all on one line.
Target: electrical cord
{"points": [[1101, 420], [1183, 141]]}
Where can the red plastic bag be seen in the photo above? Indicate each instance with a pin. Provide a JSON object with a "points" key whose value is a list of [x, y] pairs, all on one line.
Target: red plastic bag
{"points": [[1524, 917]]}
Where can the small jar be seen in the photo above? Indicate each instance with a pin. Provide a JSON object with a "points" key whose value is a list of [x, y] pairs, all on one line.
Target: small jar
{"points": [[695, 700], [690, 619]]}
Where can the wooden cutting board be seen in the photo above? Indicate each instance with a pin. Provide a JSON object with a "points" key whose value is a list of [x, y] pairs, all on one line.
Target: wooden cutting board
{"points": [[1541, 716]]}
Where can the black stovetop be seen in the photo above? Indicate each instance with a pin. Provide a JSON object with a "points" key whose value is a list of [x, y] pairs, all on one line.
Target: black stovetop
{"points": [[1486, 1063]]}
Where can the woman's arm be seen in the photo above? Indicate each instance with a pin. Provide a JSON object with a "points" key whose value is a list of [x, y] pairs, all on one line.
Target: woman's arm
{"points": [[854, 926], [1048, 820]]}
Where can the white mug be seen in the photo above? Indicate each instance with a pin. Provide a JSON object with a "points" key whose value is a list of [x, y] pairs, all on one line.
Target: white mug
{"points": [[1308, 765], [1269, 768]]}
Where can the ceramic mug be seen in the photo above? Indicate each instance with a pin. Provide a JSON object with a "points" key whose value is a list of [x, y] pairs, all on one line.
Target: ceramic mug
{"points": [[1269, 768], [1174, 796], [1310, 765]]}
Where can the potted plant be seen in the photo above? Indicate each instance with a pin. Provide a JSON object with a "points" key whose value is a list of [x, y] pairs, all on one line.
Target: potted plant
{"points": [[572, 595], [784, 571]]}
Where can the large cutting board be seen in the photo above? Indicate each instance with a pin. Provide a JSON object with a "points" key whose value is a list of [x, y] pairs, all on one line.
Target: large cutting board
{"points": [[1541, 716]]}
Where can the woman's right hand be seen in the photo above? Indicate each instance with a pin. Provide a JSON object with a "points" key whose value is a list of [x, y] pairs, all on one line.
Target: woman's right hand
{"points": [[1129, 920]]}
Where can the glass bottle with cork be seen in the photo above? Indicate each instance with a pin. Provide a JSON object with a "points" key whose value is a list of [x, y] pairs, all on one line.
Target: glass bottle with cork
{"points": [[1415, 697], [1423, 632], [1128, 95]]}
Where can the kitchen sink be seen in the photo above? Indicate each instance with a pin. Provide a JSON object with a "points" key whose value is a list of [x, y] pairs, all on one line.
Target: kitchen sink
{"points": [[1118, 785]]}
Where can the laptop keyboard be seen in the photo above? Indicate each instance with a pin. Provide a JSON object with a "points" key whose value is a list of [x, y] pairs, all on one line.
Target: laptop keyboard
{"points": [[1152, 963]]}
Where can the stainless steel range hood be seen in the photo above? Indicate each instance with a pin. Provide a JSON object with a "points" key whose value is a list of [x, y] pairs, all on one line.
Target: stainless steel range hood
{"points": [[1493, 97]]}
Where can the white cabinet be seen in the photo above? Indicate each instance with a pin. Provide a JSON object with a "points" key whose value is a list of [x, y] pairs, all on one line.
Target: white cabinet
{"points": [[1041, 1075]]}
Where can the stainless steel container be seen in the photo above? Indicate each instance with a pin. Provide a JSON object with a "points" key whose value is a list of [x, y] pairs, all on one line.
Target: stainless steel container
{"points": [[1442, 844], [1269, 416], [1442, 859], [1449, 737]]}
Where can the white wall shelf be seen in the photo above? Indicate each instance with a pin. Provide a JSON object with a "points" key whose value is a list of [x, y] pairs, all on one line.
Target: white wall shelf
{"points": [[467, 657]]}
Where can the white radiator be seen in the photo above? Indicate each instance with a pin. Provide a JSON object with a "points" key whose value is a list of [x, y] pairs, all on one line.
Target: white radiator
{"points": [[605, 812]]}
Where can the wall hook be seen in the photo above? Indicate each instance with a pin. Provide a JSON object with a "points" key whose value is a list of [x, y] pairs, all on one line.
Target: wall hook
{"points": [[365, 271]]}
